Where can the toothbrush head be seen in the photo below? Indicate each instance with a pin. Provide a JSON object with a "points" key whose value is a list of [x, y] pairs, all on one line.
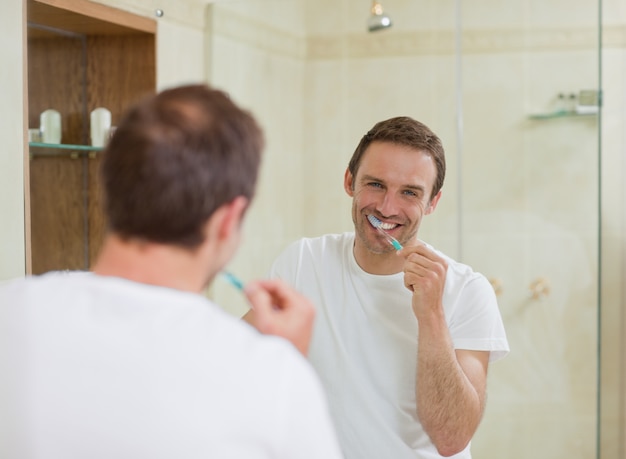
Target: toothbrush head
{"points": [[376, 223]]}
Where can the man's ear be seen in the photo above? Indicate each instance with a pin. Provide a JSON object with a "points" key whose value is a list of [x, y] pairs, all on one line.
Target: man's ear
{"points": [[348, 183], [433, 203], [228, 217]]}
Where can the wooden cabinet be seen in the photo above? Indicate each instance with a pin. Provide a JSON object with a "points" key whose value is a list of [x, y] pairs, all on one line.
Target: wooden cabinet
{"points": [[81, 55]]}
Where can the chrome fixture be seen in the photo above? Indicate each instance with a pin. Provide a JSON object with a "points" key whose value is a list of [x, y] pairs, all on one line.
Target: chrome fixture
{"points": [[539, 288], [496, 284], [378, 19]]}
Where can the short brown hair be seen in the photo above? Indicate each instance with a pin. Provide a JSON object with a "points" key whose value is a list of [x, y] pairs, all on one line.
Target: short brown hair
{"points": [[174, 159], [404, 130]]}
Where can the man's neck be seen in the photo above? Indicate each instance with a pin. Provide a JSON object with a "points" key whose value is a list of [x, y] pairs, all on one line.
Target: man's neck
{"points": [[377, 263], [154, 264]]}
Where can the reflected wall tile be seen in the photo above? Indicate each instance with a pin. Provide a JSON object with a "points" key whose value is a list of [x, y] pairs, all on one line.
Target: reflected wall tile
{"points": [[174, 66], [278, 29], [536, 434], [276, 215]]}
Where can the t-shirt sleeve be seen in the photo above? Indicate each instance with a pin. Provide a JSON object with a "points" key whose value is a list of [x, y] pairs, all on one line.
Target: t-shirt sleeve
{"points": [[476, 322], [286, 265]]}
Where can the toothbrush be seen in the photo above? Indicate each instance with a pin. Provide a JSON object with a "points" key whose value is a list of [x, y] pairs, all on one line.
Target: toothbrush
{"points": [[234, 280], [376, 223]]}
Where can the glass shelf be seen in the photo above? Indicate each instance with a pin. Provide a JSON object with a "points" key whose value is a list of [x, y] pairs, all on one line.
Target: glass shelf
{"points": [[561, 114], [64, 146], [74, 151]]}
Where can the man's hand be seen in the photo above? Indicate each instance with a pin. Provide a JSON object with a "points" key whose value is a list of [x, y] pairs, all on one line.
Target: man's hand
{"points": [[278, 309], [425, 275]]}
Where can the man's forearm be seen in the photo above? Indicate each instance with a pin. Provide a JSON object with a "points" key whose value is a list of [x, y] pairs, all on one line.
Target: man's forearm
{"points": [[449, 405]]}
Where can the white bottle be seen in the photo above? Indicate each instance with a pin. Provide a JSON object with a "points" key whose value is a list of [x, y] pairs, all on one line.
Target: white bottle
{"points": [[100, 123], [50, 126]]}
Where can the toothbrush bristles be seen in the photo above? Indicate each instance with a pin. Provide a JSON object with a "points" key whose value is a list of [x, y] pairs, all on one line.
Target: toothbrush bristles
{"points": [[376, 223]]}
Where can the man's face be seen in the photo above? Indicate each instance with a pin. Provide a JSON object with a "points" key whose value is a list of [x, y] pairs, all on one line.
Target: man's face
{"points": [[393, 183]]}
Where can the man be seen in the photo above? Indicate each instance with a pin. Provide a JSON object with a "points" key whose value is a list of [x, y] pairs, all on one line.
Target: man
{"points": [[130, 360], [402, 339]]}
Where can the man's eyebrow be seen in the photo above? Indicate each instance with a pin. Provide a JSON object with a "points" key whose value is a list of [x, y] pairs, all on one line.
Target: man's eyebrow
{"points": [[367, 177]]}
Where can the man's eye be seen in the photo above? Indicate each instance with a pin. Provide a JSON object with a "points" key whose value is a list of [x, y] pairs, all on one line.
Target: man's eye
{"points": [[374, 184], [410, 193]]}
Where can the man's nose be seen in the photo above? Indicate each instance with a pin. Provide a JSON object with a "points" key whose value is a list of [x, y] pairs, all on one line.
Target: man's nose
{"points": [[389, 205]]}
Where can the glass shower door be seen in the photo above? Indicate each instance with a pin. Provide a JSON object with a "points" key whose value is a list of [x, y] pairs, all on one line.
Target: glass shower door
{"points": [[529, 218]]}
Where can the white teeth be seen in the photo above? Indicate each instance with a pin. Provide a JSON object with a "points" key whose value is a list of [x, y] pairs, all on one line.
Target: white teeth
{"points": [[379, 224], [387, 226]]}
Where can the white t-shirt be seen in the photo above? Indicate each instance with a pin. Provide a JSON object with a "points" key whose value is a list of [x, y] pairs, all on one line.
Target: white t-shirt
{"points": [[364, 345], [102, 367]]}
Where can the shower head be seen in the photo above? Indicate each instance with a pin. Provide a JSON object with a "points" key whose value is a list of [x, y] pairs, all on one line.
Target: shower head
{"points": [[378, 20]]}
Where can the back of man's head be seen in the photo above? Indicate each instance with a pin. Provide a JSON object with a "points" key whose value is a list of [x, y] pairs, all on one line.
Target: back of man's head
{"points": [[174, 159]]}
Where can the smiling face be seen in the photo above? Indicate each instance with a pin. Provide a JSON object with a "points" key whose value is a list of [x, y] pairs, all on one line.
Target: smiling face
{"points": [[393, 183]]}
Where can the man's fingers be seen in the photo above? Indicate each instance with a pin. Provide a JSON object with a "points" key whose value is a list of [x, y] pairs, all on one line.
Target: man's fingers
{"points": [[281, 295], [279, 310], [259, 298]]}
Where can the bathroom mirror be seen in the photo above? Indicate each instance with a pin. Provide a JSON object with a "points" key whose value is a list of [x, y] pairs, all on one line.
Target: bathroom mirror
{"points": [[511, 93]]}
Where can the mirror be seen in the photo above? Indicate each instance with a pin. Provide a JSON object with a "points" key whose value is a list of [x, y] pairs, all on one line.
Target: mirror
{"points": [[513, 94]]}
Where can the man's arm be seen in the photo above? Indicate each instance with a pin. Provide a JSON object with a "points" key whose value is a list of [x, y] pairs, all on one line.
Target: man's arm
{"points": [[450, 391], [450, 385]]}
